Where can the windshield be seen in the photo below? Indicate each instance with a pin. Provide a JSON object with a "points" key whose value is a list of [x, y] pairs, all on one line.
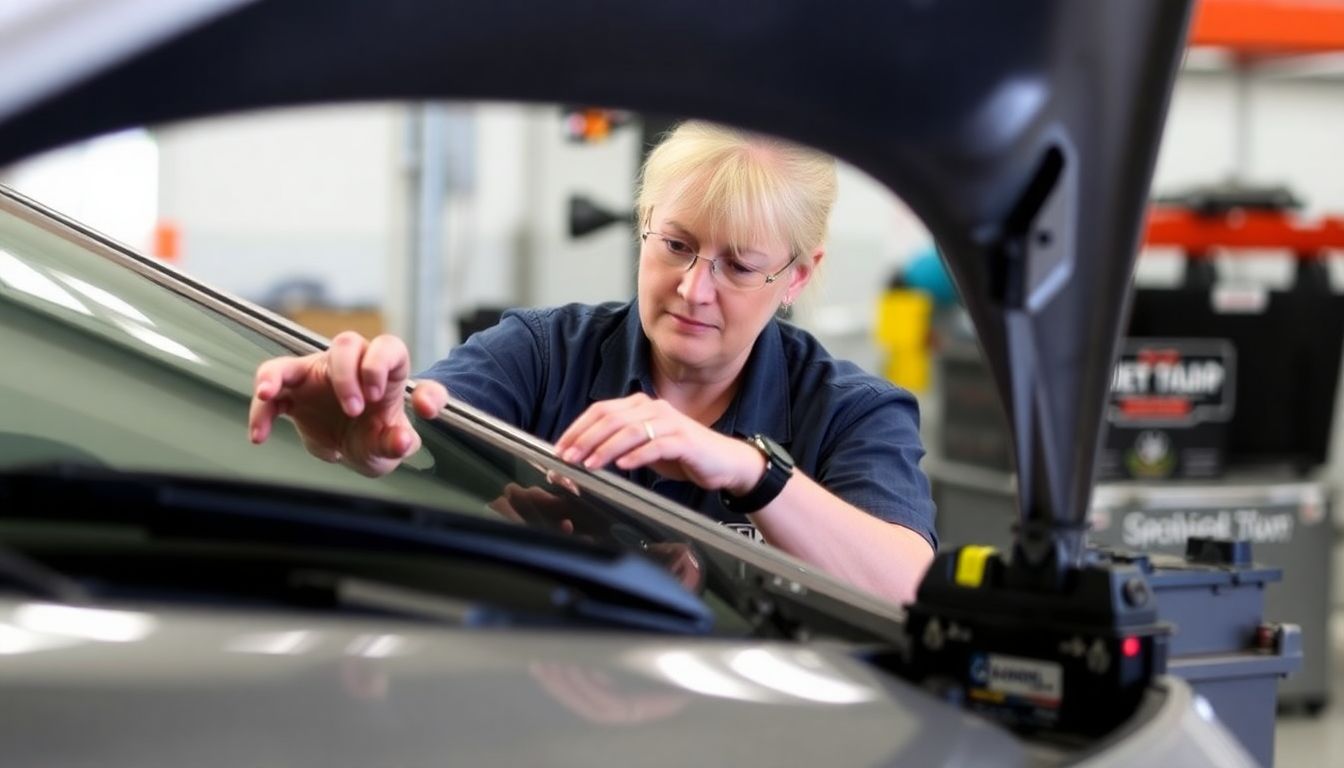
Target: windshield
{"points": [[128, 368]]}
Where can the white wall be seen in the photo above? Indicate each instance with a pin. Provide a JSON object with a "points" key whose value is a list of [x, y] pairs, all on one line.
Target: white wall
{"points": [[274, 196], [108, 183], [601, 265], [1294, 134]]}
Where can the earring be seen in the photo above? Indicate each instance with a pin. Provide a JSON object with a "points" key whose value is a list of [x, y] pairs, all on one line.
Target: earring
{"points": [[786, 309]]}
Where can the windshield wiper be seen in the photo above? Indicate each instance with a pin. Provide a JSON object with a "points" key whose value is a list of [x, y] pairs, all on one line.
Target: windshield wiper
{"points": [[30, 576], [599, 584]]}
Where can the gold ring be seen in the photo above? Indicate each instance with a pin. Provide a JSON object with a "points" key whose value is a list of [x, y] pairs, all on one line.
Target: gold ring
{"points": [[648, 430]]}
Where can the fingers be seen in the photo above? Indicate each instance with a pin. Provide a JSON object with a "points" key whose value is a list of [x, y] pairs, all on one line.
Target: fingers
{"points": [[534, 507], [597, 424], [276, 374], [630, 443], [272, 379], [645, 453], [503, 506], [343, 359], [428, 398], [261, 417], [385, 367], [557, 479], [398, 442]]}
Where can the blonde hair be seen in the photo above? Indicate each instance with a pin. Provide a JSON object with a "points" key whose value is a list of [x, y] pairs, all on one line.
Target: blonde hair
{"points": [[749, 188]]}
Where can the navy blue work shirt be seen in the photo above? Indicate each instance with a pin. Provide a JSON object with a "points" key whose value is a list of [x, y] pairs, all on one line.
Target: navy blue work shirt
{"points": [[852, 432]]}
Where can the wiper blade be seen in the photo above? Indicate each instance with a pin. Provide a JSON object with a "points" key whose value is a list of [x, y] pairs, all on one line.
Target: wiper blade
{"points": [[601, 584]]}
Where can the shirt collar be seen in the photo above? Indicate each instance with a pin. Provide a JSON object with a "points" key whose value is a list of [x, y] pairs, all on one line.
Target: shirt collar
{"points": [[761, 405], [625, 364]]}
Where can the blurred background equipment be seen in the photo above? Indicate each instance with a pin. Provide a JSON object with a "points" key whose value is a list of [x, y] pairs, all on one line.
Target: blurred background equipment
{"points": [[1286, 340], [904, 329], [1222, 409]]}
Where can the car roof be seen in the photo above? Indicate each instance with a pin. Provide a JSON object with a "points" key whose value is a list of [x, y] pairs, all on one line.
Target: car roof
{"points": [[1024, 134]]}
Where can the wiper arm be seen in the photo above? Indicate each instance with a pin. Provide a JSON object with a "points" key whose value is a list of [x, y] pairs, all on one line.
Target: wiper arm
{"points": [[601, 584], [18, 570]]}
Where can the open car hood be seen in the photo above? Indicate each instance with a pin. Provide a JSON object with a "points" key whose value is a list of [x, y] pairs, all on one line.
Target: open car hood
{"points": [[1024, 135]]}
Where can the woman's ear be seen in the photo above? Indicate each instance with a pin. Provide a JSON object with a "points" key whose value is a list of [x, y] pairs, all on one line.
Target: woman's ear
{"points": [[802, 274]]}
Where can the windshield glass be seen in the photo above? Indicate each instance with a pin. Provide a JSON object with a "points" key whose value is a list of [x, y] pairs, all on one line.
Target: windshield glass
{"points": [[124, 373]]}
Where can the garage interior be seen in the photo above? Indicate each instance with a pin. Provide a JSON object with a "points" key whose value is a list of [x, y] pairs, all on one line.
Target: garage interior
{"points": [[426, 220]]}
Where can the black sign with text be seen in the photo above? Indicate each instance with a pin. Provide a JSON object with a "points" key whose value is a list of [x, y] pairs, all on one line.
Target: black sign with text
{"points": [[1169, 407]]}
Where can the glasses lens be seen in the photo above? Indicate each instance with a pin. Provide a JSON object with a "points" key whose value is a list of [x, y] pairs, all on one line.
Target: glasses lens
{"points": [[673, 252], [740, 276], [727, 271]]}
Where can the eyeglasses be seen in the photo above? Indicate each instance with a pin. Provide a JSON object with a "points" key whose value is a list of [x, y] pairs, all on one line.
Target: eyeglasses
{"points": [[727, 271]]}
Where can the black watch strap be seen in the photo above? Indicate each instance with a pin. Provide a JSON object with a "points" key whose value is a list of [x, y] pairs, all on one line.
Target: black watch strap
{"points": [[778, 470]]}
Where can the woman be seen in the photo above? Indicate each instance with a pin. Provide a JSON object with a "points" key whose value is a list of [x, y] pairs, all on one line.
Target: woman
{"points": [[694, 389]]}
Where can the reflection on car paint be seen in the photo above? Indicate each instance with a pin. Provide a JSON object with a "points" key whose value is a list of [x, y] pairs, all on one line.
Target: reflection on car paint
{"points": [[761, 675], [293, 642], [378, 646], [802, 674], [159, 341], [104, 298], [20, 276], [36, 627]]}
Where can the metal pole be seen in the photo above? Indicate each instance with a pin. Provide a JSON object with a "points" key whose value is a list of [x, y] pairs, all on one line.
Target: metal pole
{"points": [[425, 144]]}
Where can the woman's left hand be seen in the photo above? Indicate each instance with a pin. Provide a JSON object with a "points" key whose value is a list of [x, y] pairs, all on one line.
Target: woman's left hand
{"points": [[639, 431]]}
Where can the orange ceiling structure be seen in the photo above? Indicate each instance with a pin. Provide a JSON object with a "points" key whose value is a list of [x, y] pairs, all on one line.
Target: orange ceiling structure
{"points": [[1256, 28]]}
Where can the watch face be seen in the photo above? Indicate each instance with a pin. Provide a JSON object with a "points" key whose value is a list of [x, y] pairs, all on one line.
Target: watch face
{"points": [[775, 451]]}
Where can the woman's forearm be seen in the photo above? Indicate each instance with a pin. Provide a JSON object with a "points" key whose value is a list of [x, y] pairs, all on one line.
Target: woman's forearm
{"points": [[816, 526]]}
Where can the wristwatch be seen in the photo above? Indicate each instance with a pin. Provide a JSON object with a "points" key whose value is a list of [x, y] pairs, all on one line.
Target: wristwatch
{"points": [[778, 470]]}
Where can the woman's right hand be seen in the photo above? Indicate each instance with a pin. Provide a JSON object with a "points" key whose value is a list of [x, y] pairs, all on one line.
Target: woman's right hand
{"points": [[346, 402]]}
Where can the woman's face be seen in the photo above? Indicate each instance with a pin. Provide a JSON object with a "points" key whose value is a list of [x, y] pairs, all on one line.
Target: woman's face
{"points": [[695, 319]]}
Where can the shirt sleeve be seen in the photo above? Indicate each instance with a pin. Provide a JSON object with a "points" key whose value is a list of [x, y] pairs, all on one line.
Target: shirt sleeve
{"points": [[872, 461], [497, 370]]}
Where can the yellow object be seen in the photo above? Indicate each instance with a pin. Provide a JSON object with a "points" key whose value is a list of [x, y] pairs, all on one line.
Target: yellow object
{"points": [[971, 565], [903, 317]]}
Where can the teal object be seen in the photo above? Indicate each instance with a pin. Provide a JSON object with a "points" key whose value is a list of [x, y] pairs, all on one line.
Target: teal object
{"points": [[925, 271]]}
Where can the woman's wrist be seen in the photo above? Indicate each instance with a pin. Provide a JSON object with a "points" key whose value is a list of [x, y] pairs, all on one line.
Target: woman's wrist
{"points": [[751, 469]]}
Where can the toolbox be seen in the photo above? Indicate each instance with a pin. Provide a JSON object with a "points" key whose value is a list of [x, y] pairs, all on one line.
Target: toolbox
{"points": [[1214, 599]]}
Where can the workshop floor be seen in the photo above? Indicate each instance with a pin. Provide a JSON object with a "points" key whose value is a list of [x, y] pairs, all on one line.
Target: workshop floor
{"points": [[1303, 740]]}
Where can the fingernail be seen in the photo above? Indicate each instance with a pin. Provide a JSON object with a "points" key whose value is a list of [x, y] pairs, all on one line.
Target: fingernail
{"points": [[352, 406], [590, 463], [570, 456], [256, 435]]}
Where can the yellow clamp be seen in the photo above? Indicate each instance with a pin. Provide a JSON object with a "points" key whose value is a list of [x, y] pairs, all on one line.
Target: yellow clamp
{"points": [[971, 565]]}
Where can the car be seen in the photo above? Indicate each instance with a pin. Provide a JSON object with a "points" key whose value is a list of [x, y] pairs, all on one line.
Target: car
{"points": [[173, 594]]}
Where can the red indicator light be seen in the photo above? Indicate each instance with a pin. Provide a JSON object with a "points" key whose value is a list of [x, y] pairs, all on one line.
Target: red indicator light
{"points": [[1130, 647]]}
